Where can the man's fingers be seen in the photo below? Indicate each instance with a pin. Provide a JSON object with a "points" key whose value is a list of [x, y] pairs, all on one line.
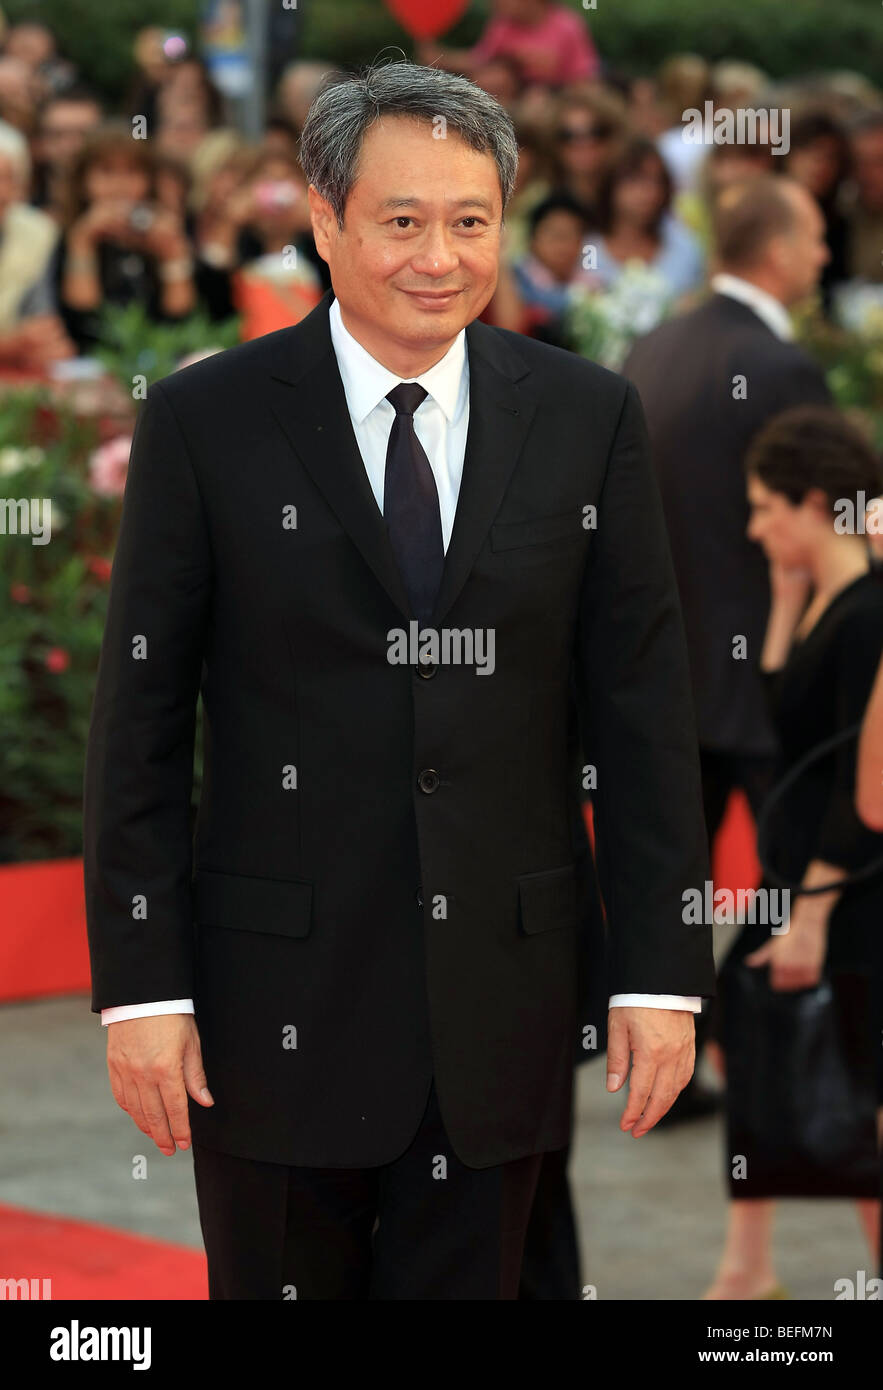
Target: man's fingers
{"points": [[194, 1076], [154, 1112], [640, 1086], [132, 1105], [663, 1094], [618, 1050], [174, 1098]]}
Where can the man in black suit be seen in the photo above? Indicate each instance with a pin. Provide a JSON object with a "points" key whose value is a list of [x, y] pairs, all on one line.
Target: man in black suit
{"points": [[708, 381], [407, 559]]}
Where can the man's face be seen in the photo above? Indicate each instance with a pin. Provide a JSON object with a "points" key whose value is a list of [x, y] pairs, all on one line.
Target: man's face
{"points": [[416, 260], [804, 252]]}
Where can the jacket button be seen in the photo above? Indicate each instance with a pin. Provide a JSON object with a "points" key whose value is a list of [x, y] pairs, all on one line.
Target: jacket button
{"points": [[419, 896], [428, 780], [426, 669]]}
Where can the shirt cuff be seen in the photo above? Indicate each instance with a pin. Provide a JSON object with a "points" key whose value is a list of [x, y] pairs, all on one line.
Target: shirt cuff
{"points": [[119, 1012], [691, 1002]]}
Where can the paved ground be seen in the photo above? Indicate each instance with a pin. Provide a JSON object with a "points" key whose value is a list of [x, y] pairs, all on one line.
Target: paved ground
{"points": [[651, 1211]]}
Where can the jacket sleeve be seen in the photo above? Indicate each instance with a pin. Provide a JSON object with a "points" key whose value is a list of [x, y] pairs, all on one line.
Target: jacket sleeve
{"points": [[139, 761], [638, 729]]}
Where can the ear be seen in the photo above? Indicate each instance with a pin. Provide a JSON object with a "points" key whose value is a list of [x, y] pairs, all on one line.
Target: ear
{"points": [[779, 252], [819, 501], [324, 222]]}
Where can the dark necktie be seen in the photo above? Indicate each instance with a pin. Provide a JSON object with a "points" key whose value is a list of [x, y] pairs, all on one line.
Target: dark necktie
{"points": [[410, 504]]}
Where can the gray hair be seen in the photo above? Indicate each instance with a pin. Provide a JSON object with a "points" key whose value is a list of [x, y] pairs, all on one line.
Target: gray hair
{"points": [[331, 140]]}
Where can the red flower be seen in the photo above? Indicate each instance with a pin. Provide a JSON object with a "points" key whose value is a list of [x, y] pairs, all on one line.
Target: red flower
{"points": [[57, 660], [19, 593], [99, 567]]}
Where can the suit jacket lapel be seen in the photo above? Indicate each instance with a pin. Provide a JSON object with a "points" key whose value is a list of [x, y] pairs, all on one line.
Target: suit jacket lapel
{"points": [[316, 421], [502, 404]]}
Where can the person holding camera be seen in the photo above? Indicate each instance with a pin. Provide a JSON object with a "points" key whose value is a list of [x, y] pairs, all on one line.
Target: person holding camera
{"points": [[119, 244]]}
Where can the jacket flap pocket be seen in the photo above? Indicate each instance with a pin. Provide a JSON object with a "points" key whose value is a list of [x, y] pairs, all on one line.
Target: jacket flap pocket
{"points": [[280, 906], [549, 899], [506, 535]]}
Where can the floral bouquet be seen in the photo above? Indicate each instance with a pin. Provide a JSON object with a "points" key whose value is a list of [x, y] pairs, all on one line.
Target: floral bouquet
{"points": [[603, 324]]}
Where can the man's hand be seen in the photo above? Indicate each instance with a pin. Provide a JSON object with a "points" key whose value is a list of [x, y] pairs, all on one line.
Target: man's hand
{"points": [[154, 1064], [663, 1042]]}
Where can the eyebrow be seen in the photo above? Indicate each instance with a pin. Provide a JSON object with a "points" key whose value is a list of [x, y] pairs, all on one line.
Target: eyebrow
{"points": [[474, 202]]}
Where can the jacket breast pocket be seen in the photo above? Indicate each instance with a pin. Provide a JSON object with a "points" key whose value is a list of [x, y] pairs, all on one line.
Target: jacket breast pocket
{"points": [[549, 899], [282, 907], [539, 530]]}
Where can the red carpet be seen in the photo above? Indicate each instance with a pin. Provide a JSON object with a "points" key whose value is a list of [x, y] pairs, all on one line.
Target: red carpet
{"points": [[43, 942], [84, 1261]]}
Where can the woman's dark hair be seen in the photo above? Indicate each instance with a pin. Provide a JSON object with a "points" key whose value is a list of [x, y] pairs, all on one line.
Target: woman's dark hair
{"points": [[631, 161], [815, 124], [556, 202], [110, 142], [814, 446]]}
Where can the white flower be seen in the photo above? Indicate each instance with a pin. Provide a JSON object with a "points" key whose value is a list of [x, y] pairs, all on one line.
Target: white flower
{"points": [[859, 308], [14, 460]]}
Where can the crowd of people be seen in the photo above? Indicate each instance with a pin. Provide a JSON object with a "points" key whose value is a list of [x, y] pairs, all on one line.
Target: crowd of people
{"points": [[166, 204]]}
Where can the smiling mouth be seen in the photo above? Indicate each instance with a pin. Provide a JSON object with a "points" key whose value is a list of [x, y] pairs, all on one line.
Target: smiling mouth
{"points": [[432, 294]]}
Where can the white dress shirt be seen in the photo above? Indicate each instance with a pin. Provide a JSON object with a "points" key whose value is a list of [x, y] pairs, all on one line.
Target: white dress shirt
{"points": [[440, 423], [765, 305]]}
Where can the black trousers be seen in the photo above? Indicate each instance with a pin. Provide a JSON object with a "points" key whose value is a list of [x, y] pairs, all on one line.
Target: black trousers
{"points": [[550, 1269], [422, 1227]]}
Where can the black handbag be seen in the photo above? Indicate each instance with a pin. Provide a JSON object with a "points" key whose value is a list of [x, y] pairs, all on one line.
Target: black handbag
{"points": [[801, 1093], [801, 1083]]}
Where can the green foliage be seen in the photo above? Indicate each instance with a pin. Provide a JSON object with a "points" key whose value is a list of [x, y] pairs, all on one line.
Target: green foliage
{"points": [[853, 365], [53, 598], [134, 345], [783, 39], [52, 607], [98, 35]]}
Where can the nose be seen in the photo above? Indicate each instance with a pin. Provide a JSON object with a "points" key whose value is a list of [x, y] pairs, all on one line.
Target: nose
{"points": [[435, 255]]}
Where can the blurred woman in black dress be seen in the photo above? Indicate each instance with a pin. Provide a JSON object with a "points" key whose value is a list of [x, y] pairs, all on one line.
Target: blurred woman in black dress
{"points": [[809, 473]]}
